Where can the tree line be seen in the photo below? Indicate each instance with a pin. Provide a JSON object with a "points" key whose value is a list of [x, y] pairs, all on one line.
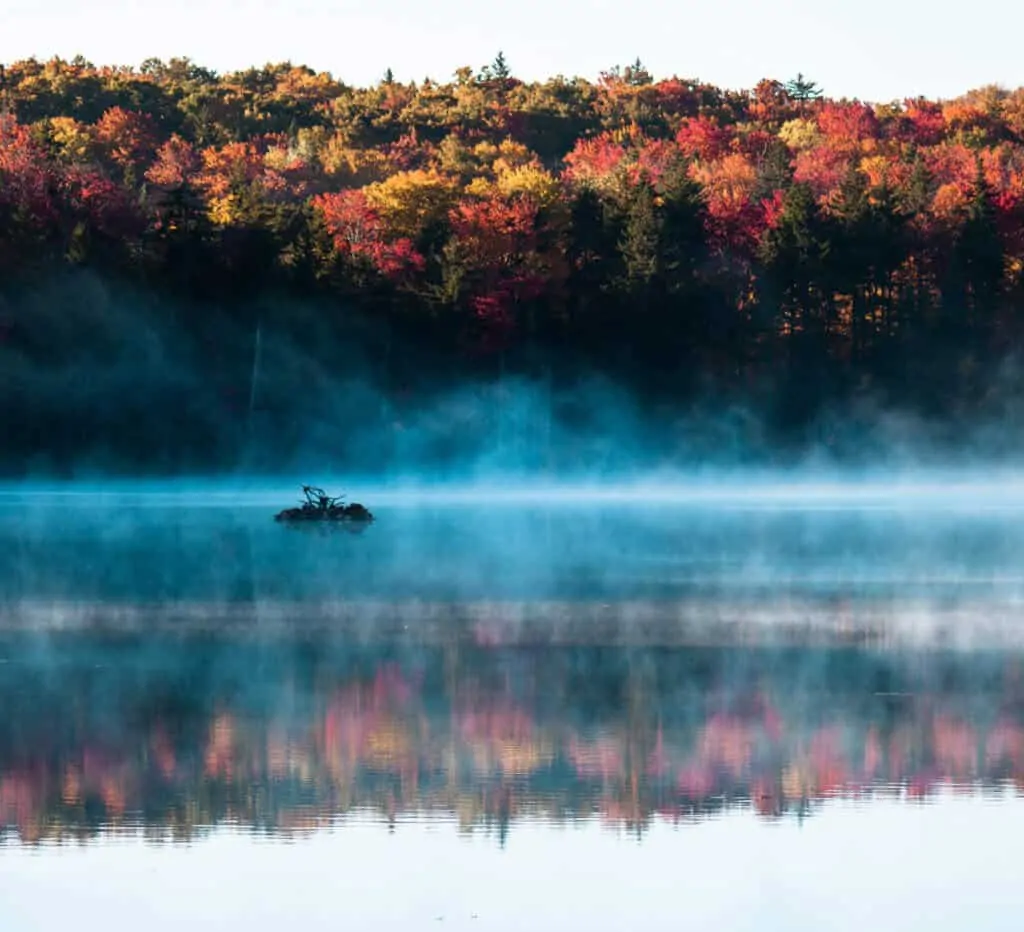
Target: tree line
{"points": [[671, 233]]}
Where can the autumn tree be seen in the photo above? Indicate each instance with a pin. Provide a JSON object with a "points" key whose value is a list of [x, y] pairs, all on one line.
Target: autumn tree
{"points": [[30, 207], [360, 234], [410, 203], [128, 140]]}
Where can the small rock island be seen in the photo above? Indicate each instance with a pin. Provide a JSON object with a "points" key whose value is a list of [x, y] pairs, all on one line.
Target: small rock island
{"points": [[319, 506]]}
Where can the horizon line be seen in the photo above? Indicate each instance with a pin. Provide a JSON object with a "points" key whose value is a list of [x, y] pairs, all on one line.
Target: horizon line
{"points": [[452, 79]]}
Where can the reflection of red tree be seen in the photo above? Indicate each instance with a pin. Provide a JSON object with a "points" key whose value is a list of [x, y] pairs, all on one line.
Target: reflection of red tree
{"points": [[658, 762], [727, 742], [872, 754], [371, 724], [955, 747], [602, 757], [501, 737], [899, 745], [922, 784], [766, 797], [19, 794], [1005, 744], [828, 761], [163, 753], [220, 749], [695, 782]]}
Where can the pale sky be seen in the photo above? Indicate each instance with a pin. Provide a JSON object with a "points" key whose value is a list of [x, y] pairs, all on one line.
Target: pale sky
{"points": [[871, 49]]}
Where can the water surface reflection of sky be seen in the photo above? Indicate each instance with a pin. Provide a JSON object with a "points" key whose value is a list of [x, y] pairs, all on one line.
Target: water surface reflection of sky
{"points": [[951, 864]]}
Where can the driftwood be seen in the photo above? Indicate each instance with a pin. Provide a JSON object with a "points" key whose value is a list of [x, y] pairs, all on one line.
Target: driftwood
{"points": [[319, 506]]}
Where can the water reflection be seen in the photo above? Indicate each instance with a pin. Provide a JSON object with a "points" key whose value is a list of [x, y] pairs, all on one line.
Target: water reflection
{"points": [[175, 669], [59, 551], [173, 734]]}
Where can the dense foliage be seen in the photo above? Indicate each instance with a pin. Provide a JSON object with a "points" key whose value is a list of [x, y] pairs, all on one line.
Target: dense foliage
{"points": [[668, 232]]}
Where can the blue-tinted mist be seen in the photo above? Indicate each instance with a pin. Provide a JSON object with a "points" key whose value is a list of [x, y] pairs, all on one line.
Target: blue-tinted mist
{"points": [[739, 559], [97, 381]]}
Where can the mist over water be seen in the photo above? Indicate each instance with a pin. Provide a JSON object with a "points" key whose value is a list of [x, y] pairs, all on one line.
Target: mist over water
{"points": [[925, 540], [489, 666]]}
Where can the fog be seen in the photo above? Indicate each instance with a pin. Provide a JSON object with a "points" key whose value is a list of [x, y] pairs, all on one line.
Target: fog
{"points": [[98, 380], [705, 562]]}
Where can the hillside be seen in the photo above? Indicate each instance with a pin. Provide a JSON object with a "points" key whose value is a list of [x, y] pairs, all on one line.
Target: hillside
{"points": [[677, 237]]}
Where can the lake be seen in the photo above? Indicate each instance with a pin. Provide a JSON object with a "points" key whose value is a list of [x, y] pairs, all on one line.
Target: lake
{"points": [[795, 712]]}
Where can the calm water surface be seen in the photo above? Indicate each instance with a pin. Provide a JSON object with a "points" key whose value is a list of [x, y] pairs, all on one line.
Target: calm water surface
{"points": [[524, 716]]}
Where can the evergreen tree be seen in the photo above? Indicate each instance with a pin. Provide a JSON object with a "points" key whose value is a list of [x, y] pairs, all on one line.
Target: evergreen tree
{"points": [[639, 243], [637, 74], [682, 243], [499, 68], [979, 250], [803, 90]]}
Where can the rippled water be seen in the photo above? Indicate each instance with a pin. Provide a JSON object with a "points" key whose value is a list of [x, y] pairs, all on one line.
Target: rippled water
{"points": [[616, 716]]}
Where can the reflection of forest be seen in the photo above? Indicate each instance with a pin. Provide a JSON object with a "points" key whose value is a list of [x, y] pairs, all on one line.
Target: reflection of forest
{"points": [[175, 735]]}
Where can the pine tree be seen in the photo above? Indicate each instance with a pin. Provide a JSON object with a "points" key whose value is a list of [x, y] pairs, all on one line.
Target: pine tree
{"points": [[639, 243], [637, 74], [681, 229], [499, 68], [803, 90], [979, 248]]}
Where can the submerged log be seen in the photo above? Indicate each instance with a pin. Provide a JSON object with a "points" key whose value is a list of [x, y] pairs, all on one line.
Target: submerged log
{"points": [[319, 506]]}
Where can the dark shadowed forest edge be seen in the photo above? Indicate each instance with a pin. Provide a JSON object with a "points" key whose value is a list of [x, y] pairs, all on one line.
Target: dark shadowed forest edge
{"points": [[272, 269]]}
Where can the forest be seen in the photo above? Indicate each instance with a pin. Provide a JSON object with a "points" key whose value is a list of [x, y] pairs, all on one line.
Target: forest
{"points": [[685, 241]]}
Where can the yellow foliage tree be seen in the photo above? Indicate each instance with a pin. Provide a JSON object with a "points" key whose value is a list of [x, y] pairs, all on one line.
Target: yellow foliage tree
{"points": [[800, 134], [504, 156], [1013, 111], [352, 167], [512, 154], [481, 187], [877, 168], [530, 180], [72, 138], [223, 210], [408, 201], [455, 158]]}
